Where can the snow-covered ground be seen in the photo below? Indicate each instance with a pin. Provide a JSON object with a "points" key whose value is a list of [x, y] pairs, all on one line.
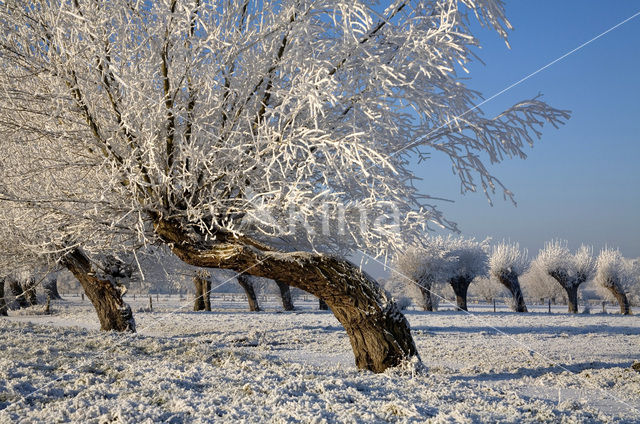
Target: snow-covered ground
{"points": [[234, 366]]}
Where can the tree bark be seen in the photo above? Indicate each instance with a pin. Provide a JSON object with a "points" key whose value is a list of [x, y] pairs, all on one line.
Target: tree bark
{"points": [[460, 287], [29, 288], [50, 287], [246, 284], [198, 303], [285, 295], [510, 281], [206, 294], [427, 300], [106, 296], [3, 303], [379, 333], [570, 286], [202, 301], [621, 297], [18, 292], [572, 298]]}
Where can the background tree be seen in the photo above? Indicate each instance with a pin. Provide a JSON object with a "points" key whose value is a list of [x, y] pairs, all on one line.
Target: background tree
{"points": [[424, 266], [246, 283], [202, 283], [569, 270], [202, 124], [486, 288], [322, 305], [3, 303], [18, 292], [50, 286], [285, 295], [614, 275], [634, 290], [29, 289], [506, 263], [539, 285], [469, 260]]}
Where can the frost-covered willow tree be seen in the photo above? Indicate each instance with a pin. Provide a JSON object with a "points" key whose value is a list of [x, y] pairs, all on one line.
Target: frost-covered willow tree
{"points": [[469, 260], [214, 126], [614, 274], [569, 270], [506, 263], [422, 267], [487, 288], [44, 238], [537, 284]]}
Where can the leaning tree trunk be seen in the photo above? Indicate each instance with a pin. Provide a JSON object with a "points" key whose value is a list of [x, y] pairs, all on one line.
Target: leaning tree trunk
{"points": [[50, 287], [29, 288], [460, 287], [510, 281], [285, 295], [621, 297], [18, 293], [106, 296], [245, 282], [3, 303], [379, 333]]}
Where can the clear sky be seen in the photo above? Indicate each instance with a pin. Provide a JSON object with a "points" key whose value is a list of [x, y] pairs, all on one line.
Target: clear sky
{"points": [[580, 182]]}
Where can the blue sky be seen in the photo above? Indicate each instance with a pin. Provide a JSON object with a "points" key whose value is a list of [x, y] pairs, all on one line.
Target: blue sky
{"points": [[580, 182]]}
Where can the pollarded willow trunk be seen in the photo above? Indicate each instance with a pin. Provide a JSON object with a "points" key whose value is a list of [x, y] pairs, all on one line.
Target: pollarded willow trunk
{"points": [[202, 301], [623, 301], [105, 295], [427, 298], [247, 285], [379, 333], [460, 287], [510, 281], [50, 287], [322, 305], [572, 298], [285, 295], [3, 303], [206, 294], [570, 286], [198, 301], [18, 292]]}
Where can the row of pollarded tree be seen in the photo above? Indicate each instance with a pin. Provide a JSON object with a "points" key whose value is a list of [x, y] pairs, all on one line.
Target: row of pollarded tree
{"points": [[458, 262], [23, 289], [202, 283]]}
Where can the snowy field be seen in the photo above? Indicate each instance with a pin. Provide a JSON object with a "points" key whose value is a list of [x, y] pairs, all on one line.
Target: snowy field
{"points": [[234, 366]]}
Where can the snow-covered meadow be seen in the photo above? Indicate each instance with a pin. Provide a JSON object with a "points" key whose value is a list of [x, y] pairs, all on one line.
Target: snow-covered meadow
{"points": [[234, 366]]}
